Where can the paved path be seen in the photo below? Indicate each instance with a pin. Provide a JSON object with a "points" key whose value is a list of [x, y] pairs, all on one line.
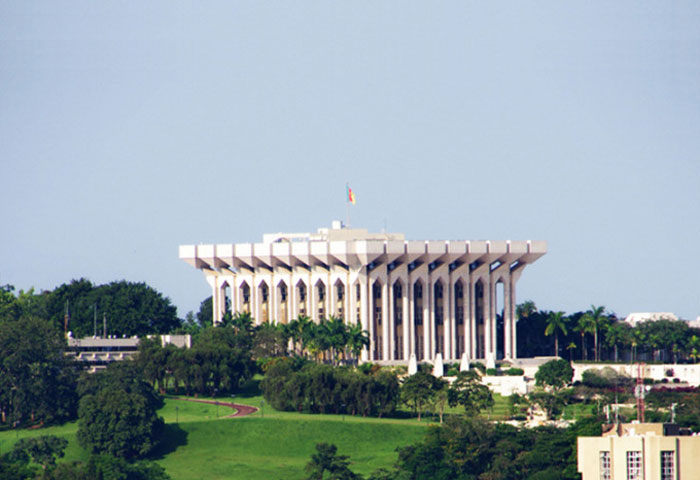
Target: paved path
{"points": [[241, 410]]}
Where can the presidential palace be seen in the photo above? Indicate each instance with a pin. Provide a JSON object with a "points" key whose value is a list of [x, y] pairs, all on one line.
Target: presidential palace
{"points": [[424, 297]]}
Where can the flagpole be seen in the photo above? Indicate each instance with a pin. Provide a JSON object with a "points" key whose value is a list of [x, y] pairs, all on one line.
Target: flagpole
{"points": [[347, 205]]}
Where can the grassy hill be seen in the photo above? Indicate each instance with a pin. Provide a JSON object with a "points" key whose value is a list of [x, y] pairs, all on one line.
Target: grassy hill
{"points": [[201, 442], [265, 445]]}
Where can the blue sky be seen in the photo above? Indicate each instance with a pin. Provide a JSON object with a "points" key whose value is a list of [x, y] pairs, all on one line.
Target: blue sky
{"points": [[127, 129]]}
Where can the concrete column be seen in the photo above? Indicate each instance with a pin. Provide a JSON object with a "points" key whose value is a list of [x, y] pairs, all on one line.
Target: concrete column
{"points": [[405, 323], [312, 295], [347, 315], [487, 318], [514, 277], [431, 317], [370, 318], [474, 331], [467, 326], [390, 320], [213, 283], [351, 315], [507, 321], [364, 318], [329, 297], [385, 321], [410, 320], [448, 320], [234, 295], [426, 318]]}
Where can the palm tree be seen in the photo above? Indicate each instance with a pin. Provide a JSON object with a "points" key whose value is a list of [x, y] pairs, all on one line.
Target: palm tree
{"points": [[297, 327], [242, 322], [584, 326], [571, 347], [357, 339], [525, 309], [556, 322], [598, 320], [337, 335]]}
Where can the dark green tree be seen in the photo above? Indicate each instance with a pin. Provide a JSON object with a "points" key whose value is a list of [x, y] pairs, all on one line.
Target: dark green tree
{"points": [[417, 391], [129, 308], [468, 391], [556, 323], [117, 413], [325, 463], [37, 379], [555, 373], [43, 450]]}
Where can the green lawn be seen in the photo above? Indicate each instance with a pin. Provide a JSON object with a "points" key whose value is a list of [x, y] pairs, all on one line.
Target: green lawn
{"points": [[265, 445], [201, 443]]}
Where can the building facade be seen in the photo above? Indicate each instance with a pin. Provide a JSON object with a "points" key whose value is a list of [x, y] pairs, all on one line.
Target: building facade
{"points": [[641, 451], [412, 297]]}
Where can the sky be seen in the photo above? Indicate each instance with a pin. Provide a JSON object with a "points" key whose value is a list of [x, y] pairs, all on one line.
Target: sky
{"points": [[129, 128]]}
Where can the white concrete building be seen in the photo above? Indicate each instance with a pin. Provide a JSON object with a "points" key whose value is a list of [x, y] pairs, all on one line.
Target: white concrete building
{"points": [[422, 297]]}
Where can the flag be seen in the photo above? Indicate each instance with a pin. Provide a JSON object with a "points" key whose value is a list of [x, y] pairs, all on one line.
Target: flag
{"points": [[351, 196]]}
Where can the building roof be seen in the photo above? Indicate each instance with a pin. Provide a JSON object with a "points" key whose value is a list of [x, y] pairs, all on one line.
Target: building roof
{"points": [[354, 248]]}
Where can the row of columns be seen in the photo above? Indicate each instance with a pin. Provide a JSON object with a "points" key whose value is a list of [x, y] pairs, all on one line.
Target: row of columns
{"points": [[266, 300]]}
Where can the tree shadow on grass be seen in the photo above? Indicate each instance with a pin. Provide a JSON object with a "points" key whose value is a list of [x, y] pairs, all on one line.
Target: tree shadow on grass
{"points": [[172, 437]]}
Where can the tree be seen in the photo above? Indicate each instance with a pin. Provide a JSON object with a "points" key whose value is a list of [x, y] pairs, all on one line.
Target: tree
{"points": [[555, 374], [417, 390], [205, 312], [37, 379], [525, 309], [220, 359], [552, 403], [597, 320], [129, 308], [694, 348], [107, 467], [441, 397], [556, 322], [43, 450], [117, 413], [617, 335], [357, 339], [468, 391], [326, 459], [584, 326]]}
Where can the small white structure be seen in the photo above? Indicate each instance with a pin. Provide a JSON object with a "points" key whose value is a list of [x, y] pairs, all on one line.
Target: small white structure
{"points": [[634, 318], [464, 363], [438, 368], [412, 365]]}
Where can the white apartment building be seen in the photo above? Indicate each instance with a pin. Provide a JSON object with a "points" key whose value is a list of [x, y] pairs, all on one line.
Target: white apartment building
{"points": [[413, 297]]}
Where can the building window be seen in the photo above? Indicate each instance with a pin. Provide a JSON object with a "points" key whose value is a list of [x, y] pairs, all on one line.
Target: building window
{"points": [[668, 465], [634, 465], [605, 466]]}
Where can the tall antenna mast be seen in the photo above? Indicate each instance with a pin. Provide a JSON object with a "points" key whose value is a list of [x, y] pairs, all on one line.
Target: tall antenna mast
{"points": [[639, 393], [104, 325]]}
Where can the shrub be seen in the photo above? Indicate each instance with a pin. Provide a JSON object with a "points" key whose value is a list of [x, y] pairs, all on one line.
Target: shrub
{"points": [[479, 366], [491, 372], [515, 372]]}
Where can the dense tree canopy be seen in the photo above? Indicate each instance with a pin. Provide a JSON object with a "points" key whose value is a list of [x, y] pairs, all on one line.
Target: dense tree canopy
{"points": [[555, 373], [129, 308], [117, 413], [37, 381]]}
